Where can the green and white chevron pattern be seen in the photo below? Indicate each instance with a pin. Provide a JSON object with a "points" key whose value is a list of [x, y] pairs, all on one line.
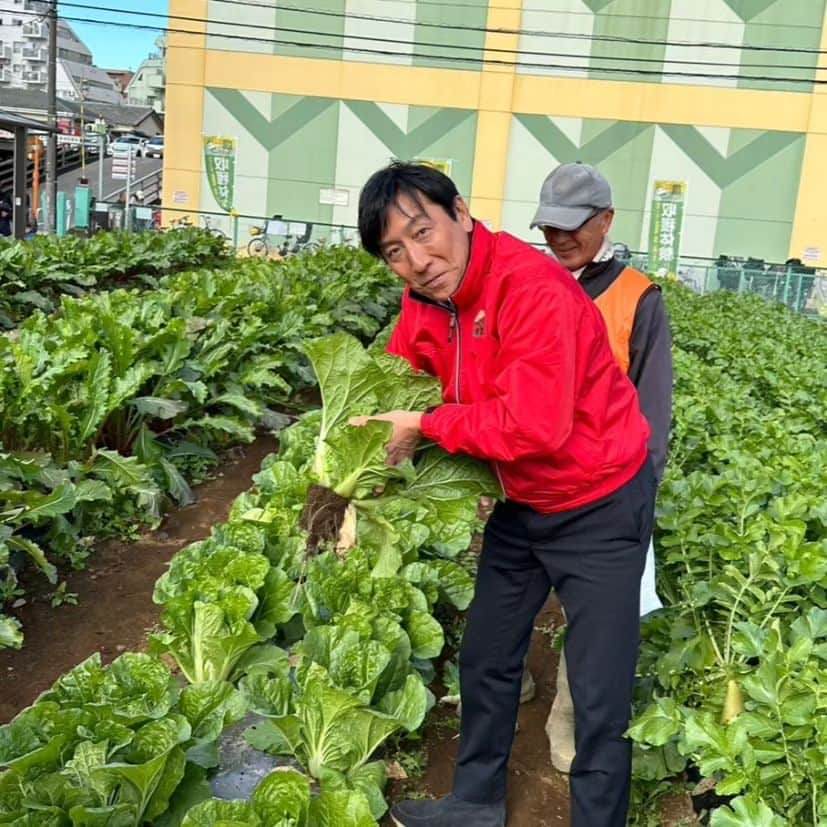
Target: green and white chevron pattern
{"points": [[645, 37], [404, 32], [581, 38], [742, 184], [291, 148]]}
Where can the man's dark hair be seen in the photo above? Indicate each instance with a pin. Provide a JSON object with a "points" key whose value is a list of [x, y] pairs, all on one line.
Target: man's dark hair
{"points": [[382, 192]]}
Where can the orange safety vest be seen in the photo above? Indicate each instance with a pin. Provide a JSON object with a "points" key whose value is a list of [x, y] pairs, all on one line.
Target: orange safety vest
{"points": [[618, 305]]}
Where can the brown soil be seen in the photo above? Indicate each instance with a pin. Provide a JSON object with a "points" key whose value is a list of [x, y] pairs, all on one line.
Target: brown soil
{"points": [[538, 795], [115, 609], [678, 811], [322, 516]]}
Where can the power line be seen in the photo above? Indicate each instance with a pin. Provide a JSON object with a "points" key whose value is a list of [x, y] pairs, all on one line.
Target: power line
{"points": [[603, 14], [339, 48], [487, 30], [452, 46], [452, 59]]}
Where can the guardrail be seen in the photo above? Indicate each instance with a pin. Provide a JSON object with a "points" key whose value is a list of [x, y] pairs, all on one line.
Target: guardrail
{"points": [[68, 157], [146, 190]]}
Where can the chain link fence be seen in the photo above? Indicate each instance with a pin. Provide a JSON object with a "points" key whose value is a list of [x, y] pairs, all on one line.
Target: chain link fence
{"points": [[803, 289]]}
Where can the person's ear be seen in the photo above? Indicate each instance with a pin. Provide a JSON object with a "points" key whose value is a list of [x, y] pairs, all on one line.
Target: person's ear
{"points": [[463, 214], [606, 220]]}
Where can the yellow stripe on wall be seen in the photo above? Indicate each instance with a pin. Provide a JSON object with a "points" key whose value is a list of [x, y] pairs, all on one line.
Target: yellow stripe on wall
{"points": [[501, 89], [347, 80], [809, 234], [661, 103], [496, 103], [186, 54]]}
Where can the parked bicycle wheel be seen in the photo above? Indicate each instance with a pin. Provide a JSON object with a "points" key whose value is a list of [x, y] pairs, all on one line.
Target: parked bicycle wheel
{"points": [[214, 231], [258, 247]]}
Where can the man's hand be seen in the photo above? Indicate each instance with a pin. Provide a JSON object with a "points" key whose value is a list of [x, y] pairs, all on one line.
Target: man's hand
{"points": [[406, 433]]}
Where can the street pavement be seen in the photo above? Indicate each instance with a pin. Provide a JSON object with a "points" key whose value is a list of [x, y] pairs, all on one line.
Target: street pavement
{"points": [[69, 180]]}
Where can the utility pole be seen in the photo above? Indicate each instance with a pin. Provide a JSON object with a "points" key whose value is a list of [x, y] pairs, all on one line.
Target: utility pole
{"points": [[127, 213], [100, 128], [51, 151], [82, 87]]}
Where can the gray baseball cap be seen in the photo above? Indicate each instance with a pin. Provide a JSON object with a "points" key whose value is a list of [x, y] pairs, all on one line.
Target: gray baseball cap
{"points": [[570, 195]]}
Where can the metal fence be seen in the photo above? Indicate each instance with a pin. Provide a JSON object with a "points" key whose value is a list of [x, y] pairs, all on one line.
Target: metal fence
{"points": [[802, 289]]}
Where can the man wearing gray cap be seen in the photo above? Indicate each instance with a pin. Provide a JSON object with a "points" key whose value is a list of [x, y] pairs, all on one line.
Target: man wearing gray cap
{"points": [[575, 214]]}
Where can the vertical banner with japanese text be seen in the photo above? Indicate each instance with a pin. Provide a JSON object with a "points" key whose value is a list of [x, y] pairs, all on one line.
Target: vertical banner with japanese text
{"points": [[220, 162], [668, 203]]}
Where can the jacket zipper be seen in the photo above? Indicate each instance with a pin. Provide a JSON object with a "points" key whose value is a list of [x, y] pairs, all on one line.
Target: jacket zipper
{"points": [[455, 326]]}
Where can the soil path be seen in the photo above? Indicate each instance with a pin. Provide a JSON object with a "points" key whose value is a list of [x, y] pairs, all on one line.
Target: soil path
{"points": [[115, 609], [538, 795]]}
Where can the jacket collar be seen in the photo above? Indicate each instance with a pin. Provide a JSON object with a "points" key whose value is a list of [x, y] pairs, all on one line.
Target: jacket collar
{"points": [[595, 269], [479, 261]]}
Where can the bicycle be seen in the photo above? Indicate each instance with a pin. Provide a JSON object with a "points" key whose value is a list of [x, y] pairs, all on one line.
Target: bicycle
{"points": [[181, 223], [343, 237], [299, 246], [257, 246], [292, 244], [214, 231]]}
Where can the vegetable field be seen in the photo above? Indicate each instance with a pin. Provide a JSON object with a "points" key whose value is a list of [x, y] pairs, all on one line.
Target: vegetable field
{"points": [[311, 620], [110, 408], [37, 274], [734, 672]]}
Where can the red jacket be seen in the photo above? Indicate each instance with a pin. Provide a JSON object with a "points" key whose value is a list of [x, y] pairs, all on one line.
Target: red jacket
{"points": [[528, 377]]}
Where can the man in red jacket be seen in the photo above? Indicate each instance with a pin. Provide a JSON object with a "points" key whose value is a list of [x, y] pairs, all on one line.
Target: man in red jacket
{"points": [[530, 385]]}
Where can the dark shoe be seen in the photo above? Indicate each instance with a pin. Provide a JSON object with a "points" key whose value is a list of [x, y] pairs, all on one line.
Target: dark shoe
{"points": [[448, 812]]}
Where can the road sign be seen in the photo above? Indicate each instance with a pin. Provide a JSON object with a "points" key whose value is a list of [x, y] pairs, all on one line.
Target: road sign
{"points": [[123, 164], [123, 168]]}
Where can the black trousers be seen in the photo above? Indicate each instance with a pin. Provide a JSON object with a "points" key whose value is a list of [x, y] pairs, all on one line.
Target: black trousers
{"points": [[593, 557]]}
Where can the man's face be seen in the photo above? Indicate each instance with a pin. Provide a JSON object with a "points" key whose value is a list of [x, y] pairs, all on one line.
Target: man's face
{"points": [[427, 248], [576, 248]]}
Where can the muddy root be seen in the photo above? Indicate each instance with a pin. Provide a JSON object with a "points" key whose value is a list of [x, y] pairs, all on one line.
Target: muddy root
{"points": [[322, 516]]}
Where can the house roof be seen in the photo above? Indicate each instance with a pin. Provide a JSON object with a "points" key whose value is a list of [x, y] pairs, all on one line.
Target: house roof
{"points": [[29, 100], [125, 115], [9, 120], [35, 101]]}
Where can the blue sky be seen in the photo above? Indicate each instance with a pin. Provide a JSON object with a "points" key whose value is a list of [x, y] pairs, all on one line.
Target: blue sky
{"points": [[118, 47]]}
